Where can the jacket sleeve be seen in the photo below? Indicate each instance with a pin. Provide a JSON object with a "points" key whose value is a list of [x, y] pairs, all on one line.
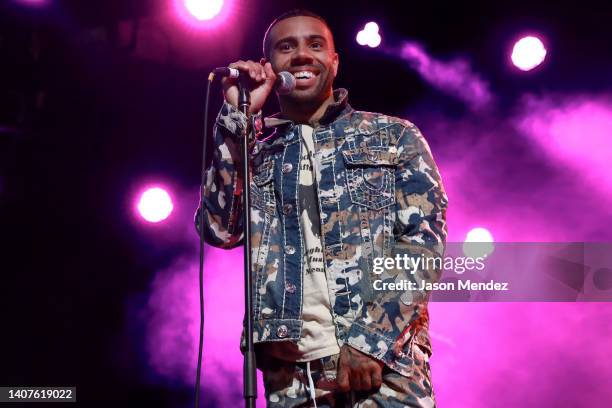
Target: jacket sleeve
{"points": [[389, 319], [222, 191]]}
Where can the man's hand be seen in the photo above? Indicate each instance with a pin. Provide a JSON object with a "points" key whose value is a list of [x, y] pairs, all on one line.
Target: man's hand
{"points": [[357, 371], [263, 78]]}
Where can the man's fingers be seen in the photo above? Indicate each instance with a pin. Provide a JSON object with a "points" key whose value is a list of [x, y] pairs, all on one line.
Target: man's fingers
{"points": [[342, 378], [240, 65], [253, 69], [377, 377], [262, 72], [366, 380], [355, 380], [270, 75]]}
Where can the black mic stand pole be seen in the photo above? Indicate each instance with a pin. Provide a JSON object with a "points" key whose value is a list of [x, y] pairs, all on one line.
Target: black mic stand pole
{"points": [[249, 369]]}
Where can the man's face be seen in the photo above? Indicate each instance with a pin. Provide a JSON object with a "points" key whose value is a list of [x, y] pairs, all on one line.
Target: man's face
{"points": [[304, 46]]}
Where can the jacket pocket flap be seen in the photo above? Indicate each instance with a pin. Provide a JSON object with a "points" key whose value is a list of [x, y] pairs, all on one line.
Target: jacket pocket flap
{"points": [[371, 156]]}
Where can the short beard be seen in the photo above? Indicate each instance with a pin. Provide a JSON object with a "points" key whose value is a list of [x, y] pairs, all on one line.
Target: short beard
{"points": [[312, 101]]}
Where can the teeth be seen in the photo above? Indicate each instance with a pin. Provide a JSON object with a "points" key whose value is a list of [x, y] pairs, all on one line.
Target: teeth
{"points": [[303, 74]]}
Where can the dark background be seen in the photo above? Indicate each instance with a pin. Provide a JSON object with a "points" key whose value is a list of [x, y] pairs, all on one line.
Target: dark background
{"points": [[83, 117]]}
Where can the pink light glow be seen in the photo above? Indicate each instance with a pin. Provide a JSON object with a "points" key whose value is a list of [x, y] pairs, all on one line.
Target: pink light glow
{"points": [[574, 131], [202, 14], [173, 327], [528, 53], [34, 3], [155, 205], [455, 77], [204, 9], [479, 234], [478, 242]]}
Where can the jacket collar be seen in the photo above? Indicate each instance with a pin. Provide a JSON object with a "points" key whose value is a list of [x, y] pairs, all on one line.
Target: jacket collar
{"points": [[335, 110]]}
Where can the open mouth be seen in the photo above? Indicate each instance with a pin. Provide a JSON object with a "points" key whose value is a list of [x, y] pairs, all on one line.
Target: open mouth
{"points": [[305, 78], [303, 75]]}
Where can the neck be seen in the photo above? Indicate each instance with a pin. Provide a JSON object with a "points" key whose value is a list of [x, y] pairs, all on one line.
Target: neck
{"points": [[305, 113]]}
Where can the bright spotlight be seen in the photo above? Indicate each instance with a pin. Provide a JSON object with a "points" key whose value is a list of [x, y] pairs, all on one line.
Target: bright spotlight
{"points": [[371, 26], [528, 53], [34, 3], [204, 9], [479, 235], [369, 35], [478, 243], [155, 205]]}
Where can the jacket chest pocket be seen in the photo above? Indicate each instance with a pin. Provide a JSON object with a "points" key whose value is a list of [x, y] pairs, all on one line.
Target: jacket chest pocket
{"points": [[370, 175], [262, 193]]}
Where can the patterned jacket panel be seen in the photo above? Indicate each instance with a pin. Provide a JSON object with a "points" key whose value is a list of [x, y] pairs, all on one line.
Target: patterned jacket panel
{"points": [[379, 195]]}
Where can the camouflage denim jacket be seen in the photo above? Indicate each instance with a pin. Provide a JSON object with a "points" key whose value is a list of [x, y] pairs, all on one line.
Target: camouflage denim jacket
{"points": [[379, 194]]}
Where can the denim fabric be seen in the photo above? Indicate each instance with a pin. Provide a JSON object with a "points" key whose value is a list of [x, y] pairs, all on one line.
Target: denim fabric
{"points": [[379, 195]]}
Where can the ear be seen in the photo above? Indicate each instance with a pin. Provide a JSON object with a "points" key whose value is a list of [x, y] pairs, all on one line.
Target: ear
{"points": [[335, 63]]}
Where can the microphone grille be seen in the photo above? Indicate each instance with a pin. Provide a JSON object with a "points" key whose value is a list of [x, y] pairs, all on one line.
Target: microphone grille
{"points": [[285, 83]]}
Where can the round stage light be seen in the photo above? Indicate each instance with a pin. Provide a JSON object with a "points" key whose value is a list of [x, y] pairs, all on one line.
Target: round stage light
{"points": [[362, 37], [479, 234], [155, 205], [528, 53], [371, 26], [204, 9], [369, 35], [478, 243]]}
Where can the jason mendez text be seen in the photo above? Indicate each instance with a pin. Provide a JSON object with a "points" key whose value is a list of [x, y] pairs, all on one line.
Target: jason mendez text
{"points": [[404, 285]]}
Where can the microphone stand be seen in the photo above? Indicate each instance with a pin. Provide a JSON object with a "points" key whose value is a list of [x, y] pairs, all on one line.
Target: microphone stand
{"points": [[249, 368]]}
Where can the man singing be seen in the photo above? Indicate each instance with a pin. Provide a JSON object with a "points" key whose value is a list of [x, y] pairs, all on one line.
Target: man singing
{"points": [[332, 189]]}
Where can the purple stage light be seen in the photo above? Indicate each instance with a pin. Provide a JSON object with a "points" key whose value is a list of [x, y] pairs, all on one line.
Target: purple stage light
{"points": [[369, 35], [34, 3], [478, 243], [528, 53], [574, 130], [479, 234], [456, 77], [203, 14], [204, 9], [155, 205]]}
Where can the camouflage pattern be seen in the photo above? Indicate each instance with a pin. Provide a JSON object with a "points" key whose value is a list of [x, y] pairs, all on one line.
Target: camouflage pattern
{"points": [[379, 194], [286, 385]]}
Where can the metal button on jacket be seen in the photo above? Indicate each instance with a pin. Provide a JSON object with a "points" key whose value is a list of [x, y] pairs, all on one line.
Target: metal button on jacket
{"points": [[290, 287], [282, 331], [287, 167], [287, 209], [289, 250]]}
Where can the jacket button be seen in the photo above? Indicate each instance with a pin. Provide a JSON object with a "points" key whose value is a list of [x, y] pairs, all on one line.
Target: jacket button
{"points": [[287, 167], [282, 331], [287, 209], [289, 250], [290, 287]]}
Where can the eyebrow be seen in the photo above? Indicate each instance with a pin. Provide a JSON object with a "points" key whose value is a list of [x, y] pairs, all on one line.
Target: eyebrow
{"points": [[294, 39]]}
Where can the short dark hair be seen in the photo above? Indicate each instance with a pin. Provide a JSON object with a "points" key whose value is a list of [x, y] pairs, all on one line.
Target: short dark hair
{"points": [[286, 15]]}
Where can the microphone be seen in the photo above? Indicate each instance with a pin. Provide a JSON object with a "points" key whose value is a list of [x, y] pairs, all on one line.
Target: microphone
{"points": [[284, 84]]}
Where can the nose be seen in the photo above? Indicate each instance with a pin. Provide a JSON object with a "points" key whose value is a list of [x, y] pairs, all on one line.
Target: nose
{"points": [[301, 55]]}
